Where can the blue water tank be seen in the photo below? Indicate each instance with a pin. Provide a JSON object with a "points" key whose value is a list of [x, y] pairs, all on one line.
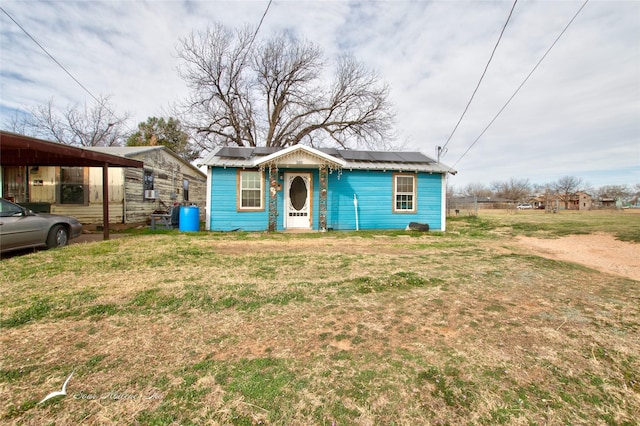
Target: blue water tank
{"points": [[189, 219]]}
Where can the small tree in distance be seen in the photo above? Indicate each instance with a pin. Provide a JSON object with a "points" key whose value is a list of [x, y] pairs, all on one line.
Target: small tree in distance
{"points": [[618, 193], [512, 189], [169, 133], [566, 187], [476, 189]]}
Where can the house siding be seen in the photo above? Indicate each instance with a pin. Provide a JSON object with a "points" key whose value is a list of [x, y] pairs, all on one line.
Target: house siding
{"points": [[224, 215], [373, 189], [126, 190], [374, 192], [90, 214], [44, 188]]}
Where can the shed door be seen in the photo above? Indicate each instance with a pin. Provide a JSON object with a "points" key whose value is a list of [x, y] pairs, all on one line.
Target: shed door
{"points": [[298, 200]]}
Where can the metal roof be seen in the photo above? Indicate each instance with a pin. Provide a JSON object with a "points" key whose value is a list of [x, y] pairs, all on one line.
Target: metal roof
{"points": [[21, 150], [249, 157], [125, 151], [132, 151]]}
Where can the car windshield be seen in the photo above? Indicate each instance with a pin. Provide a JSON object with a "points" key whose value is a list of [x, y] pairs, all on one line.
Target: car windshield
{"points": [[8, 209]]}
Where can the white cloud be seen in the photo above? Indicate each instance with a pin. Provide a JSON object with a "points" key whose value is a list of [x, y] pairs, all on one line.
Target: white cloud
{"points": [[578, 115]]}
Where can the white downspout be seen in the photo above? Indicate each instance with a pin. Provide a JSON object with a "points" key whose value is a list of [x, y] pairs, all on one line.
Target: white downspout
{"points": [[355, 206]]}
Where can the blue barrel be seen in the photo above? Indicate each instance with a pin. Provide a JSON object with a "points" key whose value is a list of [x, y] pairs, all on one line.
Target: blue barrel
{"points": [[189, 219]]}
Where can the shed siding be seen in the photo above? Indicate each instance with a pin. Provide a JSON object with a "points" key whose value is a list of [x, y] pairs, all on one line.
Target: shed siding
{"points": [[169, 173], [91, 213]]}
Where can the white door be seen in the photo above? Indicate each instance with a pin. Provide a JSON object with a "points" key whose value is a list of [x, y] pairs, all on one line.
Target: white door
{"points": [[298, 200]]}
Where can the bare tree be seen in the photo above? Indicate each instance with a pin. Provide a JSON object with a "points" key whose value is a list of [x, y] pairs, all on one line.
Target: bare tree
{"points": [[273, 93], [476, 189], [567, 187], [635, 195], [95, 125], [14, 123], [512, 189], [617, 193]]}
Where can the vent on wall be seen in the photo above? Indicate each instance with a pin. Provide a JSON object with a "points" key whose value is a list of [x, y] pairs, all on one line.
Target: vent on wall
{"points": [[150, 194]]}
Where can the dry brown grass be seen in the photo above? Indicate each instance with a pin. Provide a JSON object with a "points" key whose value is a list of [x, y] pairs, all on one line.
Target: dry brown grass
{"points": [[293, 329]]}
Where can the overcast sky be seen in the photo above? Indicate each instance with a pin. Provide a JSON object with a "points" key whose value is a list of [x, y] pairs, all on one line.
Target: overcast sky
{"points": [[578, 115]]}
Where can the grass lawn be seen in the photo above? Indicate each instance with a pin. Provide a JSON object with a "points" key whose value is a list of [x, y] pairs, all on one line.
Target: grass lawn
{"points": [[366, 328]]}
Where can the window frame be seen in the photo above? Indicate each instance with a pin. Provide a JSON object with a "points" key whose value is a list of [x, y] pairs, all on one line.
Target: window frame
{"points": [[239, 190], [185, 189], [73, 185], [148, 180], [413, 194]]}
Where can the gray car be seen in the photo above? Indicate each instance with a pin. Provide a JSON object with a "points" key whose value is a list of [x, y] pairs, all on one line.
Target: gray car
{"points": [[21, 228]]}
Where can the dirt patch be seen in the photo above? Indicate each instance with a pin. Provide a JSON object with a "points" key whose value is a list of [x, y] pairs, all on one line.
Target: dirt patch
{"points": [[598, 251]]}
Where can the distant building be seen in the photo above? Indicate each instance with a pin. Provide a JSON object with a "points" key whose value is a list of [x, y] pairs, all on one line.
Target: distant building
{"points": [[580, 201]]}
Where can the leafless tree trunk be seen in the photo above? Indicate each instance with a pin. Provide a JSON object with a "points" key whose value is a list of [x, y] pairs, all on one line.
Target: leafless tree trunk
{"points": [[566, 187], [274, 93], [95, 125]]}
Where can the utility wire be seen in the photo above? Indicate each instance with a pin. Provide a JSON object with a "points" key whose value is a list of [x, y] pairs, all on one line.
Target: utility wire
{"points": [[260, 23], [520, 87], [50, 55], [255, 34], [481, 77]]}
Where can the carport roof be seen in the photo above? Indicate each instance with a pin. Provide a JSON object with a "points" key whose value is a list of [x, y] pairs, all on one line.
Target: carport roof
{"points": [[20, 150]]}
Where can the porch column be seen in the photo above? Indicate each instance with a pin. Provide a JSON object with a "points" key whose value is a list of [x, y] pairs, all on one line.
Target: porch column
{"points": [[324, 182], [273, 198], [105, 201]]}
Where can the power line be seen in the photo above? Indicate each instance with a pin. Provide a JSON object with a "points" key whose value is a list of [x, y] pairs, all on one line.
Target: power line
{"points": [[255, 33], [441, 149], [50, 55], [260, 23], [520, 86]]}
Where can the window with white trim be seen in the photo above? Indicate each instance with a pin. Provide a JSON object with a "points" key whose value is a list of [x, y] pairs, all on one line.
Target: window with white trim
{"points": [[404, 193], [250, 190]]}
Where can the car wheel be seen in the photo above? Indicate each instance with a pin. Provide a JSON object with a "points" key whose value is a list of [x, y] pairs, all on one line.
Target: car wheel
{"points": [[58, 237]]}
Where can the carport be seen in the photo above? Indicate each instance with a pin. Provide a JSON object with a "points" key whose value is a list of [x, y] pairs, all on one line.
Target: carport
{"points": [[20, 150]]}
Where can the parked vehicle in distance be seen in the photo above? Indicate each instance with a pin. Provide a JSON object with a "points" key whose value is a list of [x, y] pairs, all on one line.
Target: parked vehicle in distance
{"points": [[524, 206], [21, 228]]}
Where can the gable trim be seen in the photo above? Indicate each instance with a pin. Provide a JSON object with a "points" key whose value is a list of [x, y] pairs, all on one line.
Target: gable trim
{"points": [[290, 153]]}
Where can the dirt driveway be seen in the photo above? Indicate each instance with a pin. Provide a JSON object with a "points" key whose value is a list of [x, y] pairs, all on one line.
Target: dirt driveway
{"points": [[93, 237], [598, 251]]}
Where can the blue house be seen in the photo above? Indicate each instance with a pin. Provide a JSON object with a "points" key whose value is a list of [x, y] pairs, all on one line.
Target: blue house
{"points": [[275, 189]]}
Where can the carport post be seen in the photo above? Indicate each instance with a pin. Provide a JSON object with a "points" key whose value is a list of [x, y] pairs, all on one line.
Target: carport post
{"points": [[105, 201]]}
